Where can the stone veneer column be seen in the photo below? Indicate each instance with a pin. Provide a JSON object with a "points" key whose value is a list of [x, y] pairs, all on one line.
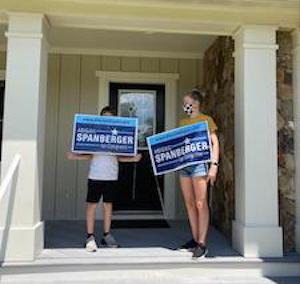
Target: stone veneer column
{"points": [[296, 83], [24, 118], [256, 232]]}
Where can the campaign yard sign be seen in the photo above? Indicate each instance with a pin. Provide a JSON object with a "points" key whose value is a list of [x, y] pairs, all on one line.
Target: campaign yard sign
{"points": [[105, 134], [178, 148]]}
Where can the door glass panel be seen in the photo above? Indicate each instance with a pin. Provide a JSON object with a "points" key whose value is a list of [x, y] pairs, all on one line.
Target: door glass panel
{"points": [[140, 104]]}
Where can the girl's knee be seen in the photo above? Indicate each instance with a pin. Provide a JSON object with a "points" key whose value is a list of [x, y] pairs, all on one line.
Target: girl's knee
{"points": [[201, 204], [191, 204]]}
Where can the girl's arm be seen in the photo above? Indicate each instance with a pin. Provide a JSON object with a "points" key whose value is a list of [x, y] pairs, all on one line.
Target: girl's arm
{"points": [[136, 158], [213, 170], [74, 156]]}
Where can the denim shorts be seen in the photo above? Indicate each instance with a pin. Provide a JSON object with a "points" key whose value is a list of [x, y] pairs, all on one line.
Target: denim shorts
{"points": [[199, 170]]}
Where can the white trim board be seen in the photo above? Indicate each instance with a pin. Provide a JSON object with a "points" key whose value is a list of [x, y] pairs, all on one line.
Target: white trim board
{"points": [[170, 82], [126, 53], [122, 53]]}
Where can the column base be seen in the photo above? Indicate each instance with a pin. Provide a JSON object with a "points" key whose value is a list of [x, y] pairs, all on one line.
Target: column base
{"points": [[24, 243], [257, 241]]}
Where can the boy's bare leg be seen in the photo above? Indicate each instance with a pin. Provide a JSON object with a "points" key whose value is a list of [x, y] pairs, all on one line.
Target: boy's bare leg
{"points": [[108, 239], [90, 217], [107, 215]]}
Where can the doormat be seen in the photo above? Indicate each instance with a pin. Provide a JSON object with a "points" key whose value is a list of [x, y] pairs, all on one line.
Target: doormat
{"points": [[124, 224]]}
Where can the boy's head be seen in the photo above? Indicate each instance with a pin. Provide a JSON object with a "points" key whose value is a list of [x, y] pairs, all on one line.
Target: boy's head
{"points": [[107, 111]]}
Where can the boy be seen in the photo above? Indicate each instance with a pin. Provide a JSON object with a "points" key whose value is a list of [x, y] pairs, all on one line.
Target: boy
{"points": [[102, 179]]}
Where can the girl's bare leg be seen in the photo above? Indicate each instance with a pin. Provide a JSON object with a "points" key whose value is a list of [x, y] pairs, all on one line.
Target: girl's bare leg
{"points": [[190, 204], [200, 189]]}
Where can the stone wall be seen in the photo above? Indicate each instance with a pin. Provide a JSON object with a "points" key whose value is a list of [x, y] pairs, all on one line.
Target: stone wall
{"points": [[219, 103], [286, 165]]}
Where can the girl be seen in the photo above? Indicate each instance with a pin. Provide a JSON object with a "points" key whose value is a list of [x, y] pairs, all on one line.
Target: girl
{"points": [[194, 179], [103, 175]]}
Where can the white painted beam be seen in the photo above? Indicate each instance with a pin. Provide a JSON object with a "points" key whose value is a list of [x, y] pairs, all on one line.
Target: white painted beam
{"points": [[24, 116], [256, 232]]}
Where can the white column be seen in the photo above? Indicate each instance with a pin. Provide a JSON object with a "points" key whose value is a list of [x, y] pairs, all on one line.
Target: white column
{"points": [[296, 82], [255, 229], [24, 118]]}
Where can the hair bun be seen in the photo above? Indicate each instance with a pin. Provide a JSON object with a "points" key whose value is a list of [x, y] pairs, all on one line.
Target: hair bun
{"points": [[198, 91]]}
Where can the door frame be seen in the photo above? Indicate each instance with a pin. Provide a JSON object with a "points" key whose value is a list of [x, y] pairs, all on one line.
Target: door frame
{"points": [[2, 75], [169, 80]]}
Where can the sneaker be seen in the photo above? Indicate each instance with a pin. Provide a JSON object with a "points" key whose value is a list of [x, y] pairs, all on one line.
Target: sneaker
{"points": [[200, 251], [91, 245], [109, 241], [188, 246]]}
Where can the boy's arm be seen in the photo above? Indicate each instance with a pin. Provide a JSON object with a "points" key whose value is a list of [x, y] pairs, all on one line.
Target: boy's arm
{"points": [[74, 156], [136, 158]]}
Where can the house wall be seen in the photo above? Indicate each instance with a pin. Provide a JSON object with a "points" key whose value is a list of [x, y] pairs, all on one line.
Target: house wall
{"points": [[2, 60], [73, 87]]}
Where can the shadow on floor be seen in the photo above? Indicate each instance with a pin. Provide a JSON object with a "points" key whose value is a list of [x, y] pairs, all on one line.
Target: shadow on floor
{"points": [[71, 234]]}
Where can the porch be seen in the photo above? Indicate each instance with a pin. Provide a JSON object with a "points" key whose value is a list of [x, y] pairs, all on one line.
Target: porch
{"points": [[72, 85], [71, 234], [145, 255]]}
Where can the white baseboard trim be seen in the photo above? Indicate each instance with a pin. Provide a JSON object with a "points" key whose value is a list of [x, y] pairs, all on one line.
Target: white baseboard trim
{"points": [[24, 243], [257, 241]]}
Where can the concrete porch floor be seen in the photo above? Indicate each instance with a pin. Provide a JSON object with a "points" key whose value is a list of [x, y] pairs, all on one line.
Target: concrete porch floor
{"points": [[71, 234], [146, 256]]}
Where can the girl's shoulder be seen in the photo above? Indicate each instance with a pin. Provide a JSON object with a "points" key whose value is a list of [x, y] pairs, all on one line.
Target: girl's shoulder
{"points": [[211, 123], [184, 121], [204, 116]]}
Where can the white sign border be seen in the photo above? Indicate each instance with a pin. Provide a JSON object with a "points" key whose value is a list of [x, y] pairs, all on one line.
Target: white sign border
{"points": [[184, 166], [104, 153]]}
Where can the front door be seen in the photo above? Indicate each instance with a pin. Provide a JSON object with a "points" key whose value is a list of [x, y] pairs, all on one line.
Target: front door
{"points": [[137, 183]]}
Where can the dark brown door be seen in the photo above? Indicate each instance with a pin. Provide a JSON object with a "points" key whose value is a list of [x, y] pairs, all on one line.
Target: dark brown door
{"points": [[137, 185]]}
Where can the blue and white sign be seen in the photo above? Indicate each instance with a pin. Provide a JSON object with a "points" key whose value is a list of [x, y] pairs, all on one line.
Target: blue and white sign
{"points": [[105, 134], [178, 148]]}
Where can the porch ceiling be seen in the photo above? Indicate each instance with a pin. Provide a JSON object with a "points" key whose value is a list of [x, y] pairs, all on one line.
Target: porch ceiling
{"points": [[188, 17], [128, 43], [125, 42]]}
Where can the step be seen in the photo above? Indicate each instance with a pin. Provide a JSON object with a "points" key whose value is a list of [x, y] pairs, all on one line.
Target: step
{"points": [[141, 277], [154, 259]]}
